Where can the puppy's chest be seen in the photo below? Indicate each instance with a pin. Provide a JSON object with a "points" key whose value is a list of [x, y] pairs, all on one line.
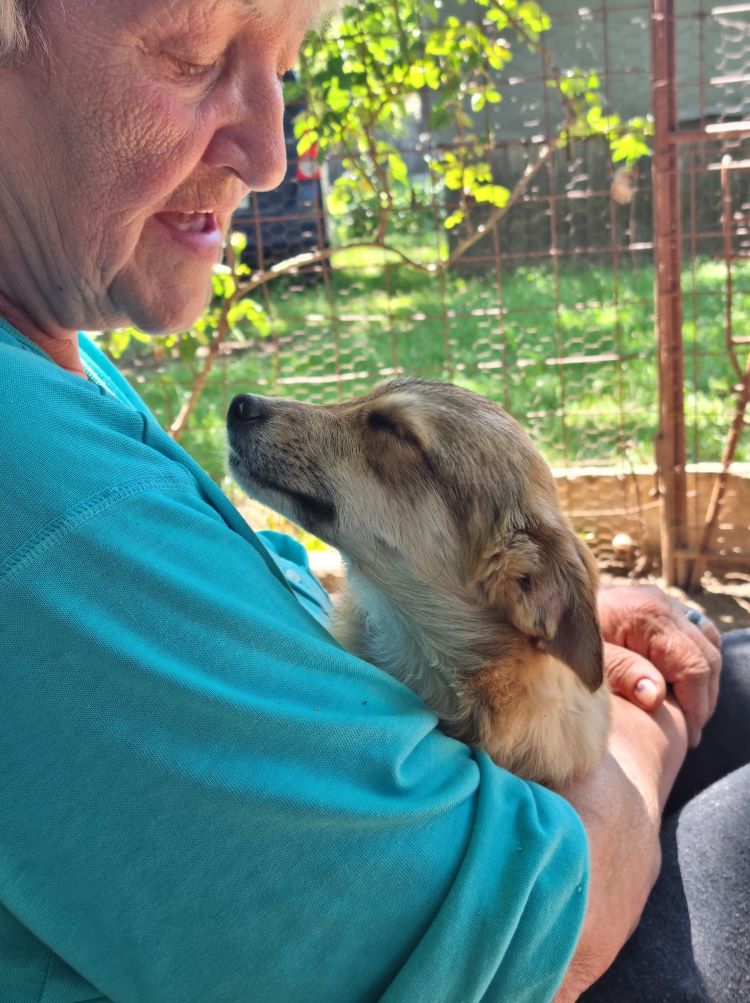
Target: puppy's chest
{"points": [[380, 636], [369, 629]]}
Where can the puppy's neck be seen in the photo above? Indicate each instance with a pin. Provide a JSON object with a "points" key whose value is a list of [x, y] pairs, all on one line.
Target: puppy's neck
{"points": [[489, 685], [416, 630]]}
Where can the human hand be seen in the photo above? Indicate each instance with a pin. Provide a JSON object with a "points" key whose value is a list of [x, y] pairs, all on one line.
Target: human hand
{"points": [[650, 642]]}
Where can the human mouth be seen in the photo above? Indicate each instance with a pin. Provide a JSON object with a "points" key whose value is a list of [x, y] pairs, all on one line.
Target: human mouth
{"points": [[197, 231], [189, 222]]}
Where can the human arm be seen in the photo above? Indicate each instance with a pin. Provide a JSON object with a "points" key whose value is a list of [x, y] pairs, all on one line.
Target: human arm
{"points": [[620, 805], [650, 644], [205, 793]]}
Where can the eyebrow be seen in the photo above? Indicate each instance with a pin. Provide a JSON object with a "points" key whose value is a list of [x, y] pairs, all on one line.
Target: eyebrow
{"points": [[320, 10]]}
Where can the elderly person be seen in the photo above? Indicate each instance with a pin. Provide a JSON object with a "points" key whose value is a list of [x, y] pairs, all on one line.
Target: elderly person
{"points": [[203, 799]]}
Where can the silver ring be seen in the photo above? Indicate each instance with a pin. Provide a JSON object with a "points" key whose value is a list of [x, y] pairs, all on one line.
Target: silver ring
{"points": [[695, 616]]}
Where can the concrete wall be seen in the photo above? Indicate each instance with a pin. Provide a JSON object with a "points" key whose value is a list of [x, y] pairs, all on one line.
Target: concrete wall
{"points": [[602, 502]]}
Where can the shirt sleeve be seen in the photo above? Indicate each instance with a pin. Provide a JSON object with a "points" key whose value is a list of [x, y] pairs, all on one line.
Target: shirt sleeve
{"points": [[206, 800]]}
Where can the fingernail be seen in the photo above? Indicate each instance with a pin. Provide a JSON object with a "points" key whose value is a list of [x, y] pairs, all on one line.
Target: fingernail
{"points": [[646, 691]]}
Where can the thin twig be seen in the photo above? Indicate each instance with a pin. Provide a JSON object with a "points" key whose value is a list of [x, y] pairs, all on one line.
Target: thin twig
{"points": [[323, 254], [499, 212], [178, 426]]}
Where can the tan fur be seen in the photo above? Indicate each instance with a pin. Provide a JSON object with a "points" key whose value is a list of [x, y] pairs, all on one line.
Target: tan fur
{"points": [[464, 580], [540, 721]]}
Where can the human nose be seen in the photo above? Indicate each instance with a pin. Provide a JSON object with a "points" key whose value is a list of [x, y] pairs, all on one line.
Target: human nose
{"points": [[250, 142]]}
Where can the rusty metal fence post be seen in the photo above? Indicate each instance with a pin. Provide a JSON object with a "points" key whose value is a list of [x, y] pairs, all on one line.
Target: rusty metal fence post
{"points": [[670, 443]]}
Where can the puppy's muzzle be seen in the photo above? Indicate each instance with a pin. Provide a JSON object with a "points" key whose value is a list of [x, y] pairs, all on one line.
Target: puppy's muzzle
{"points": [[246, 409]]}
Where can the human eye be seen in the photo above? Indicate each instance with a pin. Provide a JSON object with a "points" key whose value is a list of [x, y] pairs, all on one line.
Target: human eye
{"points": [[194, 70]]}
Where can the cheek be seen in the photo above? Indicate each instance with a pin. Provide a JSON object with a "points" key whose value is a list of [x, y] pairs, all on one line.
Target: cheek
{"points": [[134, 145], [155, 144]]}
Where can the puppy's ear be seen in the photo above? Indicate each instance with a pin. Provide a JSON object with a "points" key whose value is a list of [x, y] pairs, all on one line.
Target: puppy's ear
{"points": [[543, 582]]}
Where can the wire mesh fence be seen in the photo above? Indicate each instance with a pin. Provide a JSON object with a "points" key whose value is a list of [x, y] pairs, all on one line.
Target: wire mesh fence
{"points": [[706, 154], [550, 311]]}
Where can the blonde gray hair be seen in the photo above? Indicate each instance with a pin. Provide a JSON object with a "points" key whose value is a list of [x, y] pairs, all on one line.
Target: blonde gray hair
{"points": [[14, 28]]}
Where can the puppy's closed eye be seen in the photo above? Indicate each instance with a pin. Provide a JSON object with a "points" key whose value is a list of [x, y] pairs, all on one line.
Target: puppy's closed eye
{"points": [[380, 422], [399, 420]]}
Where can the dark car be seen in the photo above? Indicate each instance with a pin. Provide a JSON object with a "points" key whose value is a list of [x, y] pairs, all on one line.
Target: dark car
{"points": [[289, 220]]}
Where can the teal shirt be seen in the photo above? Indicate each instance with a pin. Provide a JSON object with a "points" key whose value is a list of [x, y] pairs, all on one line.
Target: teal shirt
{"points": [[203, 798]]}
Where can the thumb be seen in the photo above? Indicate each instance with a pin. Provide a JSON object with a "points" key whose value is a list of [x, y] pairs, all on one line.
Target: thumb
{"points": [[633, 677]]}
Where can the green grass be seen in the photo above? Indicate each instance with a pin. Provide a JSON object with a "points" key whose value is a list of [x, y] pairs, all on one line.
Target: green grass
{"points": [[571, 354]]}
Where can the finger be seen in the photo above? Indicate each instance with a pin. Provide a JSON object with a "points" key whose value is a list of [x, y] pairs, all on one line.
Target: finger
{"points": [[712, 656], [684, 665], [633, 677], [653, 624], [713, 689], [698, 634], [699, 620], [693, 693], [709, 629]]}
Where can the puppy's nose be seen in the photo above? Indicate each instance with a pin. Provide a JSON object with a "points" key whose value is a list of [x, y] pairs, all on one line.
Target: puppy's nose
{"points": [[247, 407]]}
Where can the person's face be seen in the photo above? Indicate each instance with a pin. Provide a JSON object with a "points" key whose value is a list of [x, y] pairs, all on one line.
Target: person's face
{"points": [[149, 122]]}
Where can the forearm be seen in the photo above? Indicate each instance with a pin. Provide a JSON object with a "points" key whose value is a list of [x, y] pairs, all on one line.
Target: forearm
{"points": [[620, 806]]}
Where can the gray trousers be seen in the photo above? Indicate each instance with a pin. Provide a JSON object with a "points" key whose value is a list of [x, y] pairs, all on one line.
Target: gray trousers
{"points": [[693, 940]]}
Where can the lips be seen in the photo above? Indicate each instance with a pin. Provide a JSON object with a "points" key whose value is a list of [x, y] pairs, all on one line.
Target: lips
{"points": [[190, 222], [197, 232]]}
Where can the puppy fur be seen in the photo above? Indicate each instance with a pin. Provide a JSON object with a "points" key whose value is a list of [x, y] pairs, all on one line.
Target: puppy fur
{"points": [[464, 579]]}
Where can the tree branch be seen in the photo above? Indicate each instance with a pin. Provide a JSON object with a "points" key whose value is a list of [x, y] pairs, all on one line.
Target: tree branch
{"points": [[499, 212]]}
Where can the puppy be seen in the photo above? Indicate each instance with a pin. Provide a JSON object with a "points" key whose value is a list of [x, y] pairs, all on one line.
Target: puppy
{"points": [[464, 579]]}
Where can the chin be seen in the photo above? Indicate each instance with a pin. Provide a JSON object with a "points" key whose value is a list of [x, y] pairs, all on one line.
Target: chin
{"points": [[165, 321], [167, 309]]}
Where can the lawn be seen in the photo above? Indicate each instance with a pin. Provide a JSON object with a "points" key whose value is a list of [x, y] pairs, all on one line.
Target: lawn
{"points": [[570, 351]]}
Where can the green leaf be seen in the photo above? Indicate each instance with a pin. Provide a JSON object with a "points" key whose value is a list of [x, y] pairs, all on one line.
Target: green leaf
{"points": [[398, 167], [336, 98], [306, 142], [534, 17], [454, 219], [248, 311], [454, 178], [629, 148], [224, 284], [416, 77], [238, 240], [494, 194]]}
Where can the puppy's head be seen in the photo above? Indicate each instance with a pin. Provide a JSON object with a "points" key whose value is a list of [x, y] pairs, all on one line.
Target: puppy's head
{"points": [[438, 479]]}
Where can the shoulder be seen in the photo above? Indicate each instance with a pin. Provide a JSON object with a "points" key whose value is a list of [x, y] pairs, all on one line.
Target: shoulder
{"points": [[63, 441], [46, 405]]}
